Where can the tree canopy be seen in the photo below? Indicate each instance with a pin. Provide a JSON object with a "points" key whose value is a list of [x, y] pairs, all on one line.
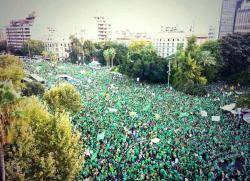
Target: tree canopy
{"points": [[11, 69], [44, 146], [35, 47], [235, 53], [109, 56], [76, 52], [63, 97]]}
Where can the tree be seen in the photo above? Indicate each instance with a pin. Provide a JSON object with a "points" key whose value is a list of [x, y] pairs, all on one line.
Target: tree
{"points": [[44, 146], [109, 56], [35, 47], [211, 46], [235, 53], [7, 97], [76, 50], [45, 54], [120, 49], [63, 97], [121, 53], [209, 65], [145, 64], [53, 58], [210, 51], [12, 74], [98, 53], [186, 71], [33, 88], [89, 50], [137, 46], [188, 66], [192, 47], [3, 46], [37, 145], [11, 69]]}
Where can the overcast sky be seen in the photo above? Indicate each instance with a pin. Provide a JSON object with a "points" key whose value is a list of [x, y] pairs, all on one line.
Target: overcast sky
{"points": [[69, 16]]}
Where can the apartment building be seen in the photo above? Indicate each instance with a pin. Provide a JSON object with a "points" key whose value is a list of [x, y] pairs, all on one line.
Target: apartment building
{"points": [[242, 22], [168, 41], [212, 33], [103, 28], [235, 17], [19, 31]]}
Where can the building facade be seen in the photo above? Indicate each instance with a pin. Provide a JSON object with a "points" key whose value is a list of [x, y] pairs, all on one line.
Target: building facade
{"points": [[103, 28], [2, 35], [123, 36], [235, 17], [200, 39], [212, 33], [242, 23], [53, 43], [19, 31], [59, 47], [168, 41]]}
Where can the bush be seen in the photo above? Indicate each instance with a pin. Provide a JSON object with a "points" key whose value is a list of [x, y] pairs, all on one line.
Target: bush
{"points": [[244, 100], [63, 97], [44, 146], [33, 88], [195, 89]]}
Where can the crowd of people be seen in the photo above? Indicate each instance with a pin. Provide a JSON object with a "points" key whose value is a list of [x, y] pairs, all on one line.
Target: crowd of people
{"points": [[132, 130]]}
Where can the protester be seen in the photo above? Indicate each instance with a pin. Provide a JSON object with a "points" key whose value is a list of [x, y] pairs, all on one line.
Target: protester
{"points": [[139, 131]]}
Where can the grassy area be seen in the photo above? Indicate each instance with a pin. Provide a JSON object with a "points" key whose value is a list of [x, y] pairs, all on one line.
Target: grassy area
{"points": [[121, 119]]}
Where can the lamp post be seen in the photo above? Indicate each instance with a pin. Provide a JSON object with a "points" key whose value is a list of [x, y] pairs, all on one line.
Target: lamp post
{"points": [[169, 72], [29, 49]]}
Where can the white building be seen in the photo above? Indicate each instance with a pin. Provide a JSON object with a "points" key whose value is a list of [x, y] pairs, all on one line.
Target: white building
{"points": [[212, 33], [103, 28], [122, 36], [168, 41], [59, 47], [56, 44], [126, 36], [19, 31]]}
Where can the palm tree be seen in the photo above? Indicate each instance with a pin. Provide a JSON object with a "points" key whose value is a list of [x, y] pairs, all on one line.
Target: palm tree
{"points": [[7, 97], [109, 56]]}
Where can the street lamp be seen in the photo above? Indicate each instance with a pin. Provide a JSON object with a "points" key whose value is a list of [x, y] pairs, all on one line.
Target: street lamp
{"points": [[169, 72], [29, 49]]}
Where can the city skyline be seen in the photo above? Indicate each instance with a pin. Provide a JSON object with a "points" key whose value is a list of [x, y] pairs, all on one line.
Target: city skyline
{"points": [[69, 17]]}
